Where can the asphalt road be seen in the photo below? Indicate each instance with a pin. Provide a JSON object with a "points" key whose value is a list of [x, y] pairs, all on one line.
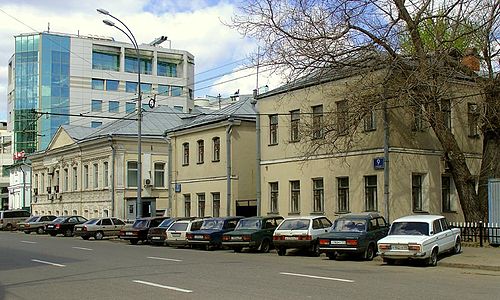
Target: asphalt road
{"points": [[44, 267]]}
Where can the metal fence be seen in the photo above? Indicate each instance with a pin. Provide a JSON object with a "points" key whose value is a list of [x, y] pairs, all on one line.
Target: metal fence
{"points": [[479, 232]]}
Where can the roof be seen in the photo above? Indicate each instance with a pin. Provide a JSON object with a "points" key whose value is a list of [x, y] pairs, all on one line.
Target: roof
{"points": [[78, 133], [262, 217], [305, 217], [363, 215], [419, 218]]}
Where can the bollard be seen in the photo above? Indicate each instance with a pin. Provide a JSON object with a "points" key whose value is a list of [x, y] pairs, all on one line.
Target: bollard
{"points": [[480, 233]]}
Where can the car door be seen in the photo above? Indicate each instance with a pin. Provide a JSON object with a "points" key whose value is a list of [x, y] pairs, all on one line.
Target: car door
{"points": [[117, 225], [448, 234], [438, 236], [107, 226], [383, 228]]}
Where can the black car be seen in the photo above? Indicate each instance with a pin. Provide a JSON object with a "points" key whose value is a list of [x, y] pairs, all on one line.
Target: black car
{"points": [[210, 234], [64, 225], [354, 234], [255, 233], [139, 230]]}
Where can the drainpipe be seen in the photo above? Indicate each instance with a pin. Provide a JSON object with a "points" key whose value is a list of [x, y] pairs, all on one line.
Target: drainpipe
{"points": [[24, 183], [386, 161], [258, 191], [168, 140], [229, 129], [113, 155]]}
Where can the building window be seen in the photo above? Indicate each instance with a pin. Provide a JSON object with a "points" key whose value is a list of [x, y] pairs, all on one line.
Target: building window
{"points": [[185, 157], [473, 119], [130, 87], [448, 201], [371, 193], [129, 107], [96, 176], [446, 110], [96, 105], [66, 180], [294, 125], [318, 195], [159, 175], [273, 187], [294, 196], [42, 182], [342, 117], [106, 174], [166, 69], [95, 124], [201, 151], [114, 106], [146, 87], [343, 194], [416, 192], [112, 85], [75, 178], [163, 90], [216, 204], [273, 129], [86, 177], [187, 205], [201, 205], [176, 91], [132, 174], [131, 65], [417, 124], [105, 61], [369, 122], [97, 84], [317, 122], [145, 106], [216, 146]]}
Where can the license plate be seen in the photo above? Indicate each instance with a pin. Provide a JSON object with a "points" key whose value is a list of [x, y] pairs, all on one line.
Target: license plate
{"points": [[176, 234], [50, 226], [156, 238], [399, 247], [78, 229], [291, 238], [337, 242], [236, 238], [128, 233], [198, 237]]}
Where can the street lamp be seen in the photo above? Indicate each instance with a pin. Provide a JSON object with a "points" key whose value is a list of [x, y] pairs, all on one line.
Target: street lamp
{"points": [[131, 37]]}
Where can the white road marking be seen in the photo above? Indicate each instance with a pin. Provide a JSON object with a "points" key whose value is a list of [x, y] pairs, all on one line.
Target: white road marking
{"points": [[81, 248], [317, 277], [167, 259], [163, 286], [48, 263], [28, 242]]}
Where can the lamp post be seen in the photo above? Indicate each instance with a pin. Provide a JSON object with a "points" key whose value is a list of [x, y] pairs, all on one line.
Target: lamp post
{"points": [[131, 37]]}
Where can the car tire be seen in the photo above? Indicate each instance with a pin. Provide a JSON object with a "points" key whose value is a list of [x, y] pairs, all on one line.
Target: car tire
{"points": [[53, 234], [265, 246], [458, 246], [237, 250], [27, 232], [369, 252], [68, 232], [85, 237], [40, 230], [281, 251], [331, 255], [432, 260], [98, 235], [314, 250], [389, 261], [133, 242], [8, 227]]}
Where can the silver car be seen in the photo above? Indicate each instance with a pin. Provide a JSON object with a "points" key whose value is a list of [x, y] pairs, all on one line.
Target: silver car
{"points": [[35, 224], [99, 228]]}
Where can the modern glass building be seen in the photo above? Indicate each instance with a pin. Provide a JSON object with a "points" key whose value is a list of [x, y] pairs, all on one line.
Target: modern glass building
{"points": [[57, 79]]}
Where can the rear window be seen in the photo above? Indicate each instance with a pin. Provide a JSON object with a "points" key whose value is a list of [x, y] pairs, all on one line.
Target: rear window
{"points": [[249, 224], [59, 220], [178, 227], [212, 224], [409, 228], [165, 223], [349, 225], [32, 219], [91, 221], [196, 225], [140, 224], [294, 224]]}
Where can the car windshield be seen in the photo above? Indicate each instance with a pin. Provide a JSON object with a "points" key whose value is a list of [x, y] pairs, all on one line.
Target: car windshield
{"points": [[32, 219], [294, 224], [409, 228], [212, 224], [178, 227], [249, 224], [91, 221], [59, 220], [140, 224], [165, 223], [349, 225]]}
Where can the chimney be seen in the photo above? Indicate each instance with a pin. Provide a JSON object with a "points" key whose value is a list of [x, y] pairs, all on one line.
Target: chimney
{"points": [[471, 59]]}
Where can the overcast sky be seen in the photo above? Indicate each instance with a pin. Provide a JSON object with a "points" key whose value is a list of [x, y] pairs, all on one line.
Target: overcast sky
{"points": [[192, 25]]}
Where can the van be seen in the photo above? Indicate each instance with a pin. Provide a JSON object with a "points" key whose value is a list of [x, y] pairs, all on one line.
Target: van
{"points": [[10, 218]]}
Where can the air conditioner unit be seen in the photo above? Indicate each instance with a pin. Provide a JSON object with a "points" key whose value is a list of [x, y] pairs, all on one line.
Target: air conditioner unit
{"points": [[147, 182]]}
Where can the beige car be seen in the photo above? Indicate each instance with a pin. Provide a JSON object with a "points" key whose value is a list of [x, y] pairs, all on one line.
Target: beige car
{"points": [[176, 233], [99, 228]]}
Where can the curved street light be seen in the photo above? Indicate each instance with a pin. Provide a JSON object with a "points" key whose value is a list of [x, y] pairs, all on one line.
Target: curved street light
{"points": [[131, 37]]}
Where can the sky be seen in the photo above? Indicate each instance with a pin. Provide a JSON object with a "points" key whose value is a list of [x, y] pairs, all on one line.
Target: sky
{"points": [[196, 26]]}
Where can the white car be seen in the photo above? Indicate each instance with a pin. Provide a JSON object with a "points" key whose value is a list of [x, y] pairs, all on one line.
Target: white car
{"points": [[421, 237], [300, 232], [176, 233]]}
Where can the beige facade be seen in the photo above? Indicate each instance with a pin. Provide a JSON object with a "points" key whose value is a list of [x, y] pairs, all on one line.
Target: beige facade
{"points": [[337, 182]]}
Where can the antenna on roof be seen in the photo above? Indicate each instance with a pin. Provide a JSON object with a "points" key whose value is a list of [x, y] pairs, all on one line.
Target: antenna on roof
{"points": [[48, 26]]}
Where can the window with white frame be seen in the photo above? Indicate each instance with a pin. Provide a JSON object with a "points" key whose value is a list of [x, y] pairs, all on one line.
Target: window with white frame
{"points": [[185, 151], [201, 151], [187, 205], [369, 121], [416, 192], [96, 176], [343, 194], [294, 196], [201, 204], [159, 174], [342, 117], [317, 122], [318, 195], [75, 178], [66, 180], [294, 125], [85, 176], [216, 205], [132, 174], [274, 193], [273, 129], [105, 177], [371, 193], [216, 149]]}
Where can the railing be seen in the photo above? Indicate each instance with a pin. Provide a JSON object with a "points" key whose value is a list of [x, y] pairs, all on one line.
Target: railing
{"points": [[479, 232]]}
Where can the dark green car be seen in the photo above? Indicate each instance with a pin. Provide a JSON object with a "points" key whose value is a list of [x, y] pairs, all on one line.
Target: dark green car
{"points": [[255, 233], [354, 234]]}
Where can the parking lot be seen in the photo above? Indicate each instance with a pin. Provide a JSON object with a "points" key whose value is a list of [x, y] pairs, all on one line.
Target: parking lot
{"points": [[45, 267]]}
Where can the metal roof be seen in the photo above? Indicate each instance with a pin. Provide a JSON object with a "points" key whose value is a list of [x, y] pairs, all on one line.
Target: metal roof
{"points": [[78, 132]]}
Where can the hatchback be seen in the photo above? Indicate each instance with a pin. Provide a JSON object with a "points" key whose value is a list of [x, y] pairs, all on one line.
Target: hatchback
{"points": [[64, 225], [99, 228], [36, 224]]}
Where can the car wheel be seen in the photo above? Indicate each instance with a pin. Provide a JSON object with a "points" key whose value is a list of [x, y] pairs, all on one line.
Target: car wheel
{"points": [[85, 237], [8, 227], [99, 235], [370, 252], [265, 246], [237, 249], [27, 232], [389, 261], [458, 246], [433, 259], [133, 242], [68, 232], [314, 250], [331, 255], [281, 251], [53, 234], [40, 230]]}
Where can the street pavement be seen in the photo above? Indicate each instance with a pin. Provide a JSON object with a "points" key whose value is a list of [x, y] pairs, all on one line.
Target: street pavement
{"points": [[44, 267]]}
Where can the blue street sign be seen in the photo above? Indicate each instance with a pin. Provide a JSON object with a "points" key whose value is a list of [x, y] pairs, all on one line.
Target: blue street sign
{"points": [[378, 163], [177, 187]]}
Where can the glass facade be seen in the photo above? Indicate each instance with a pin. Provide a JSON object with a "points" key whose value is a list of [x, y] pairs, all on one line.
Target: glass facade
{"points": [[105, 61], [112, 85], [131, 65], [97, 84], [114, 106], [163, 89], [166, 69], [130, 87], [129, 107], [176, 90]]}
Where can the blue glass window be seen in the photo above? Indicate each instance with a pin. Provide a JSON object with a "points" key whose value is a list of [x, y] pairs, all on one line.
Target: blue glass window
{"points": [[96, 105], [176, 90], [145, 87], [112, 85], [131, 87], [163, 89], [129, 107], [95, 124], [114, 106], [97, 84], [131, 65], [166, 69], [105, 61], [145, 106]]}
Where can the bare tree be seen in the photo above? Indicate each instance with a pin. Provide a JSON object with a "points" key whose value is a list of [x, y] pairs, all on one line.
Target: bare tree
{"points": [[417, 48]]}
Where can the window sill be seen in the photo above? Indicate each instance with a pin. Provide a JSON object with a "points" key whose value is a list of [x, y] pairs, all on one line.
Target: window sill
{"points": [[420, 212], [317, 213], [216, 160], [370, 130], [295, 213], [449, 212], [342, 212], [185, 165], [273, 213], [200, 163], [274, 144]]}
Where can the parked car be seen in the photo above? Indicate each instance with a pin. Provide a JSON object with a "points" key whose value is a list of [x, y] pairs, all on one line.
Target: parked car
{"points": [[158, 235], [255, 233], [210, 234], [9, 218], [354, 234], [64, 225], [421, 237], [99, 228], [176, 233], [139, 230], [301, 233], [36, 224]]}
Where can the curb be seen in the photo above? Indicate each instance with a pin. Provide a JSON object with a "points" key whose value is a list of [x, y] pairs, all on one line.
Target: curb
{"points": [[469, 266]]}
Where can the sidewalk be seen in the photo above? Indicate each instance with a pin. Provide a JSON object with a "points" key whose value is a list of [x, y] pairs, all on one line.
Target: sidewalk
{"points": [[486, 258]]}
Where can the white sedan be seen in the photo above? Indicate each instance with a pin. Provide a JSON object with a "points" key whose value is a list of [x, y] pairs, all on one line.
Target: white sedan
{"points": [[421, 237]]}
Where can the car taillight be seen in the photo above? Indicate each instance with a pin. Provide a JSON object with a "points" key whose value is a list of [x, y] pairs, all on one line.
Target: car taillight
{"points": [[189, 236], [58, 226], [84, 228], [324, 242], [247, 238], [206, 237], [305, 238], [384, 246], [278, 237], [26, 225], [226, 238], [414, 247], [351, 242]]}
